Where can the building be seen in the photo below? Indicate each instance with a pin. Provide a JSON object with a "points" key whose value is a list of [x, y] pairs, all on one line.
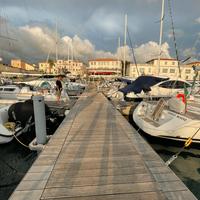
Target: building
{"points": [[106, 68], [47, 67], [18, 63], [168, 68], [75, 68]]}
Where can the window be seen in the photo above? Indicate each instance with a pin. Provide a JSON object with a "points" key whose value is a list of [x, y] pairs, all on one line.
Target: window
{"points": [[172, 70], [166, 84], [181, 85], [173, 63], [9, 89], [174, 84], [45, 85], [141, 70], [165, 70], [149, 70], [187, 71], [165, 63]]}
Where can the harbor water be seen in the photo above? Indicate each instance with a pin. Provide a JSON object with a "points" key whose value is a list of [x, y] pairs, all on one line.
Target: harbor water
{"points": [[186, 166], [14, 163], [16, 160]]}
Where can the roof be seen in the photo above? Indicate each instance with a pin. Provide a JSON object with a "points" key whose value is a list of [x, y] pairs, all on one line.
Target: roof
{"points": [[172, 59], [104, 59], [193, 63]]}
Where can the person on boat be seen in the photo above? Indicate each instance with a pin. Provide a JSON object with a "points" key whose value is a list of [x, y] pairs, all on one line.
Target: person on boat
{"points": [[59, 86]]}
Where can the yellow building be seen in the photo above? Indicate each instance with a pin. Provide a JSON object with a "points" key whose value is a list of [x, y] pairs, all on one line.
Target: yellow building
{"points": [[48, 68], [18, 63], [29, 67]]}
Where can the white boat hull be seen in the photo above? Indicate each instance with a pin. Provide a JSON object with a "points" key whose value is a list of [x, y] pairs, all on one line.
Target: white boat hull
{"points": [[171, 125], [6, 135]]}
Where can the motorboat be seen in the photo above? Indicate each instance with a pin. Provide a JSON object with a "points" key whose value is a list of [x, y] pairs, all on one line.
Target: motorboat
{"points": [[24, 91], [74, 88], [114, 92], [9, 91]]}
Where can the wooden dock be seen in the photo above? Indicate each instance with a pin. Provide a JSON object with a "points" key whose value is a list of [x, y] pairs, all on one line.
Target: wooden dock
{"points": [[97, 155]]}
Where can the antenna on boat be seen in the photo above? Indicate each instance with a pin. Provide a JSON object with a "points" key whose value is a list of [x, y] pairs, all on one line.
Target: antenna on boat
{"points": [[161, 34]]}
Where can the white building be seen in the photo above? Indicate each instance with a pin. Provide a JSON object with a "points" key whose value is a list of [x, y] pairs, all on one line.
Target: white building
{"points": [[106, 68], [168, 68], [76, 68]]}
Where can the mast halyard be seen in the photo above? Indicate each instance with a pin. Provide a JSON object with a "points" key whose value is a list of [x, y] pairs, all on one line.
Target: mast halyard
{"points": [[125, 32], [161, 34]]}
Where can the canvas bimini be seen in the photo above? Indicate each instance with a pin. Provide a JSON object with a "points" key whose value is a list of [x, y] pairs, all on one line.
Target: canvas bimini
{"points": [[177, 118]]}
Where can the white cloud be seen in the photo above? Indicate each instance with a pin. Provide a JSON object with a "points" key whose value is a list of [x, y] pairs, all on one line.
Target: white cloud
{"points": [[197, 20], [34, 43], [104, 21], [144, 52]]}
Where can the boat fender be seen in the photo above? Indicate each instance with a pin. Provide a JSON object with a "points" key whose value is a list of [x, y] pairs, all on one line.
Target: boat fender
{"points": [[182, 96]]}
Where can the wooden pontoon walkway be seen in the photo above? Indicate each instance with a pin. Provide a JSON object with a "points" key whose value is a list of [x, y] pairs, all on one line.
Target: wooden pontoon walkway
{"points": [[97, 155]]}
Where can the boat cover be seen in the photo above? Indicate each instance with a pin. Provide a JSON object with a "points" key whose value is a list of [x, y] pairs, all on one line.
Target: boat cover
{"points": [[142, 83]]}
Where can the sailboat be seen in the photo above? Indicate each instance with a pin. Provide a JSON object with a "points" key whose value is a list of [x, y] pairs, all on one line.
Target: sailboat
{"points": [[176, 119]]}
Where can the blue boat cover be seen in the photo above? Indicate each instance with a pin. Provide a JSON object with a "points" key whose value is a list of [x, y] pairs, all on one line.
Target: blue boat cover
{"points": [[142, 83]]}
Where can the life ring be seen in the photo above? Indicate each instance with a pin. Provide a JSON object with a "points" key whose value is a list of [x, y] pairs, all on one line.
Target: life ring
{"points": [[182, 96]]}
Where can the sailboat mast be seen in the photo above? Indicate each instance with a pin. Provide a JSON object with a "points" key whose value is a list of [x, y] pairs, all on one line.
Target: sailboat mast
{"points": [[125, 32], [161, 33], [119, 44], [56, 40]]}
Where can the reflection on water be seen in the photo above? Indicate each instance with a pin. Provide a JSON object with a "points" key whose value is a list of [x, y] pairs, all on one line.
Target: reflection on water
{"points": [[186, 166], [15, 161]]}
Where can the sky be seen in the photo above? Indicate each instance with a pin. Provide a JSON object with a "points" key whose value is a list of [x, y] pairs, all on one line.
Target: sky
{"points": [[88, 29]]}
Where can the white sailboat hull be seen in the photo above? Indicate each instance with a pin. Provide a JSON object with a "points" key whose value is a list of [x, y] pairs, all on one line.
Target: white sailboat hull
{"points": [[171, 125]]}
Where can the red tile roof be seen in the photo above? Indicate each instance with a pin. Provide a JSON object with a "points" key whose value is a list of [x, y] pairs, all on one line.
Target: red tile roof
{"points": [[193, 63]]}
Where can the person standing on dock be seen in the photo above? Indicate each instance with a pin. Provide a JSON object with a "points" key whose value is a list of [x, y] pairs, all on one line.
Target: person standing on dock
{"points": [[59, 86]]}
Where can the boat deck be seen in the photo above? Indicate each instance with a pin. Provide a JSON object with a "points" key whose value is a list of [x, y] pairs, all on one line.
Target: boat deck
{"points": [[96, 154]]}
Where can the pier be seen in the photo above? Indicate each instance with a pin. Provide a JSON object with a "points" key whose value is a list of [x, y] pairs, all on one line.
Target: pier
{"points": [[97, 154]]}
